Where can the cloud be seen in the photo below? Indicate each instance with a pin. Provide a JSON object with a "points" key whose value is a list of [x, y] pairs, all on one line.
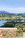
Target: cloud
{"points": [[17, 10], [14, 10]]}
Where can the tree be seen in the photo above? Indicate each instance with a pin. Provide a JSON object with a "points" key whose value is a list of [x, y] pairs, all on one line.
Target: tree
{"points": [[19, 20], [21, 27], [7, 24]]}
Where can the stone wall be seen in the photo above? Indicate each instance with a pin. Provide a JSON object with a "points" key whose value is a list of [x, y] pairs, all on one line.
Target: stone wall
{"points": [[10, 33]]}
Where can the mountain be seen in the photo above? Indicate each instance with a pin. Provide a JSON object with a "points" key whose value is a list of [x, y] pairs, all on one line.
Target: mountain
{"points": [[15, 14], [21, 14], [5, 12]]}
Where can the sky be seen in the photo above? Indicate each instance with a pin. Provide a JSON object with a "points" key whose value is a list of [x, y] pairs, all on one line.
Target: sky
{"points": [[13, 6]]}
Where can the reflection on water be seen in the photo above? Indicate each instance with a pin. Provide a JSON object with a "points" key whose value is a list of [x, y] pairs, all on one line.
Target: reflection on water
{"points": [[3, 21]]}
